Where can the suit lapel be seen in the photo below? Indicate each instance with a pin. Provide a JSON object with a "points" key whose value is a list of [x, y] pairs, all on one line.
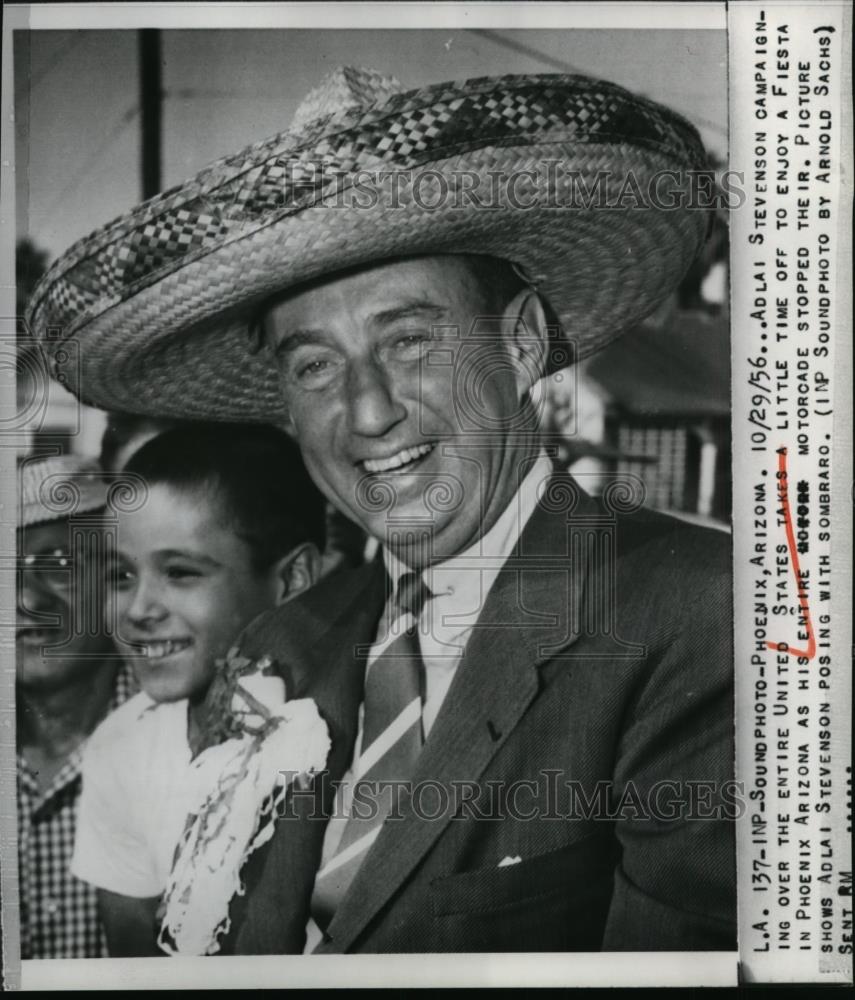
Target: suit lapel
{"points": [[316, 657], [531, 613]]}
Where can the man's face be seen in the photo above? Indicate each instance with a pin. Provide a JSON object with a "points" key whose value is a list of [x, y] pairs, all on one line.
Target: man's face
{"points": [[402, 416], [59, 629], [186, 587]]}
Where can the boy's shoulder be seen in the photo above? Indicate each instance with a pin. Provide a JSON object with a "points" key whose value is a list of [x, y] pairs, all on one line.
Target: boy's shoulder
{"points": [[299, 624], [138, 720]]}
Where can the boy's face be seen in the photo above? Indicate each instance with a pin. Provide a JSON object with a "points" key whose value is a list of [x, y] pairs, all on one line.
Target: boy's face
{"points": [[186, 588]]}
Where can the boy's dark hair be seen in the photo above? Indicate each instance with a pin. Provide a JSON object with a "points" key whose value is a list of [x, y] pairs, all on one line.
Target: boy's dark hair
{"points": [[121, 429], [254, 471]]}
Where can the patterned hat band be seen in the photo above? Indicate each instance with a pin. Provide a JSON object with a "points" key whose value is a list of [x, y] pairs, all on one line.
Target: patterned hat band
{"points": [[583, 187]]}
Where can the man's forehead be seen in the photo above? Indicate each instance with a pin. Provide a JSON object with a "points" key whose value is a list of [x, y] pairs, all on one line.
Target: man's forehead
{"points": [[380, 291], [36, 536]]}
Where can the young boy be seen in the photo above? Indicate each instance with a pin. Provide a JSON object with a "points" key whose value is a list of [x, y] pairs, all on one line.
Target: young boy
{"points": [[230, 527]]}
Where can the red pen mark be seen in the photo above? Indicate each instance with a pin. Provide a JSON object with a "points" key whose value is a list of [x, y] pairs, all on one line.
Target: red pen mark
{"points": [[783, 647]]}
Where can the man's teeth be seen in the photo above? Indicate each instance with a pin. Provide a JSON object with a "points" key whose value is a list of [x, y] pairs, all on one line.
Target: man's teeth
{"points": [[157, 650], [403, 457]]}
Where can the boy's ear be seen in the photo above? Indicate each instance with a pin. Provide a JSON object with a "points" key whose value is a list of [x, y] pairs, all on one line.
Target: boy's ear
{"points": [[296, 571]]}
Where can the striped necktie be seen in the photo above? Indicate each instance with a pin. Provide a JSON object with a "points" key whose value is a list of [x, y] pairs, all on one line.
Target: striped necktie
{"points": [[391, 741]]}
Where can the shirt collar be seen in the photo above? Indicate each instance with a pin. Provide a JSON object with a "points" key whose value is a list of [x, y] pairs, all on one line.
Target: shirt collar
{"points": [[66, 776], [476, 568]]}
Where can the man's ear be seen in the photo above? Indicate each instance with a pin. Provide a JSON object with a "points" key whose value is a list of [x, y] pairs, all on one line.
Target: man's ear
{"points": [[526, 337], [296, 571], [287, 425]]}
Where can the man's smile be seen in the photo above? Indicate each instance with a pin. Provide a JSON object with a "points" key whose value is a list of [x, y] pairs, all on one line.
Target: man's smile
{"points": [[402, 460], [34, 635]]}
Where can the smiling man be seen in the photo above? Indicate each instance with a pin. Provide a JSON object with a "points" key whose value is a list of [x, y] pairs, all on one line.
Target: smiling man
{"points": [[68, 678], [529, 692], [371, 364]]}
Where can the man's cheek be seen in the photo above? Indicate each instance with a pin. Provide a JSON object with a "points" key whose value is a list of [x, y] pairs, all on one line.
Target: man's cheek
{"points": [[334, 488], [312, 437]]}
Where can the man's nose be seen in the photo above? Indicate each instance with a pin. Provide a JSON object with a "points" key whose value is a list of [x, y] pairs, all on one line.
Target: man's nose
{"points": [[34, 596], [372, 406]]}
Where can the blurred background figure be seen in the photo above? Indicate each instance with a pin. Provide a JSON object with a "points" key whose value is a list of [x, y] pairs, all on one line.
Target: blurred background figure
{"points": [[68, 678]]}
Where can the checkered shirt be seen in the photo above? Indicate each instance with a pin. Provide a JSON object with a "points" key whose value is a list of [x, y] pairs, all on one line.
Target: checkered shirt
{"points": [[59, 914]]}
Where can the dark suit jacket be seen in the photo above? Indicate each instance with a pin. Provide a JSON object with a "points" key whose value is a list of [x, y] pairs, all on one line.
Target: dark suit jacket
{"points": [[600, 670]]}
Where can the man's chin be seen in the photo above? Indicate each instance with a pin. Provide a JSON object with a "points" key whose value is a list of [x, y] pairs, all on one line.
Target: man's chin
{"points": [[45, 669], [36, 674], [425, 543]]}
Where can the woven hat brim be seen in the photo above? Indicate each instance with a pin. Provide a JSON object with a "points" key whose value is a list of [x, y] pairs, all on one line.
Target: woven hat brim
{"points": [[173, 341]]}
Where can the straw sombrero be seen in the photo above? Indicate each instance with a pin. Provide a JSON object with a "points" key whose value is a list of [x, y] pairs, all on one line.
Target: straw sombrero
{"points": [[51, 489], [161, 300]]}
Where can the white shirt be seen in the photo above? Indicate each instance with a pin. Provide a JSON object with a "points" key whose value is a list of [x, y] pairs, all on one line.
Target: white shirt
{"points": [[133, 801], [460, 587]]}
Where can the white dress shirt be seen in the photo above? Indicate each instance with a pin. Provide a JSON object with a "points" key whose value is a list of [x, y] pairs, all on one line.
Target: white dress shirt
{"points": [[459, 587]]}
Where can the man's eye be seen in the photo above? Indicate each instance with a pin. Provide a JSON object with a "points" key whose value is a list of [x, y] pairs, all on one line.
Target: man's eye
{"points": [[312, 368], [55, 565], [410, 345], [414, 338], [314, 373]]}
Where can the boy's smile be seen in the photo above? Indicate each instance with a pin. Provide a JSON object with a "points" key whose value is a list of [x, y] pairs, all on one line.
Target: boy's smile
{"points": [[161, 648]]}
